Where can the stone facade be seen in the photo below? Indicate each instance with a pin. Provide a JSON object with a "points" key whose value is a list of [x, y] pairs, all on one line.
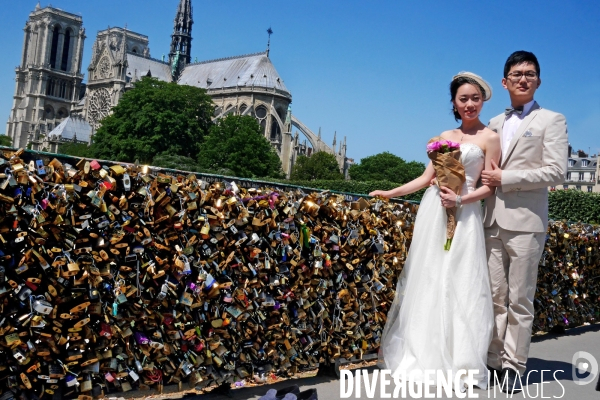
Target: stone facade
{"points": [[243, 85], [582, 172], [48, 78], [107, 72]]}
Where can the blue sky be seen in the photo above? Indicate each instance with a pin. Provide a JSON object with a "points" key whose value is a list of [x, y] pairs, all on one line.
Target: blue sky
{"points": [[374, 71]]}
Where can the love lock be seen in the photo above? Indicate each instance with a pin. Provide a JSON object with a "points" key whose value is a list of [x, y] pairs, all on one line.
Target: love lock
{"points": [[136, 276]]}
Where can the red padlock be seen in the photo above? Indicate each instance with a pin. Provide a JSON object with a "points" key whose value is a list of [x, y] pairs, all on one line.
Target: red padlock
{"points": [[95, 165], [105, 330]]}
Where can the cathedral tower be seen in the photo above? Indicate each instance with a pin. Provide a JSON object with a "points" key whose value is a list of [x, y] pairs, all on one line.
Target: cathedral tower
{"points": [[48, 78], [181, 40], [114, 65]]}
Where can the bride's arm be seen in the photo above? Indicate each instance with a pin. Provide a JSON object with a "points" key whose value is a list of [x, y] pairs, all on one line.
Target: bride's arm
{"points": [[493, 152], [410, 187]]}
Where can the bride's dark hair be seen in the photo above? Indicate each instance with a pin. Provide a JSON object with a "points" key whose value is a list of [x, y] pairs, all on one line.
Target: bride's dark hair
{"points": [[458, 82]]}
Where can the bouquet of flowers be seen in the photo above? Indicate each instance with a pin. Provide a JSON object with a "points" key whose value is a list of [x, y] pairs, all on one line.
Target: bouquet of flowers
{"points": [[449, 172]]}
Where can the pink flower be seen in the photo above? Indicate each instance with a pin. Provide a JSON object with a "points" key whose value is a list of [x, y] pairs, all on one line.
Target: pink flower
{"points": [[453, 145], [442, 146], [434, 146]]}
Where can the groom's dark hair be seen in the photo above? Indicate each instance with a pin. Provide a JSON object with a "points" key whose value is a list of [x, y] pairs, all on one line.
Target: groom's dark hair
{"points": [[520, 57]]}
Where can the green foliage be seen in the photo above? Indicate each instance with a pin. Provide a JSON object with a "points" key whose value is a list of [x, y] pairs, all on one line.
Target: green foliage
{"points": [[174, 161], [74, 149], [154, 117], [574, 205], [355, 187], [5, 141], [320, 165], [386, 166], [236, 143]]}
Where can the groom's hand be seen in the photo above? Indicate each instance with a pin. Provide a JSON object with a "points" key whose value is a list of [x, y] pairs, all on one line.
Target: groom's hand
{"points": [[493, 177]]}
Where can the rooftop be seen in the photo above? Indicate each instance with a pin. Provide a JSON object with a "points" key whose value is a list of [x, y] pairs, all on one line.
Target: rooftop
{"points": [[73, 127], [139, 66], [231, 72], [39, 11]]}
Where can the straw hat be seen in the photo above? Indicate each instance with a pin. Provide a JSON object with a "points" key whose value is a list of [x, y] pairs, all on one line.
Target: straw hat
{"points": [[477, 79]]}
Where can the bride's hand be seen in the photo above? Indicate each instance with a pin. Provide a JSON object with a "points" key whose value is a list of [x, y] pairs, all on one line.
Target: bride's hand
{"points": [[378, 193], [448, 197]]}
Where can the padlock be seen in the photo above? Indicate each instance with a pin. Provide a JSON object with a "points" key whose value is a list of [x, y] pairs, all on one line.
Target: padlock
{"points": [[105, 330], [42, 306]]}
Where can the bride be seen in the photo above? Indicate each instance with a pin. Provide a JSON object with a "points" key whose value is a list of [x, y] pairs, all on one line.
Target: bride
{"points": [[442, 316]]}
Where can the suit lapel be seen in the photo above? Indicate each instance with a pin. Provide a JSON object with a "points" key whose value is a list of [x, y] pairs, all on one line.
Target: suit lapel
{"points": [[520, 131]]}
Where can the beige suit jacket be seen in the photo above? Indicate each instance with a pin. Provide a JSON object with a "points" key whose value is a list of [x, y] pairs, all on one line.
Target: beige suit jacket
{"points": [[535, 159]]}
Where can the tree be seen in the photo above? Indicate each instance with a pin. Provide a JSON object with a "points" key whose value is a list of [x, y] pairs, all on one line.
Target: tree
{"points": [[175, 162], [236, 143], [5, 141], [386, 166], [153, 118], [74, 149], [320, 165]]}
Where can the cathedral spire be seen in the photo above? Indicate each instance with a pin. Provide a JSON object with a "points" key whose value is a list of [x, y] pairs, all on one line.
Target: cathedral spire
{"points": [[269, 32], [181, 39], [334, 140]]}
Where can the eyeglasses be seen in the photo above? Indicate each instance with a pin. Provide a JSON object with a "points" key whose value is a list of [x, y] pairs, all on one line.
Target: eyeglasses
{"points": [[515, 77]]}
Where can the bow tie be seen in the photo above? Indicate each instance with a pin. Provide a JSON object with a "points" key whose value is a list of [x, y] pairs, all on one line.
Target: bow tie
{"points": [[510, 110]]}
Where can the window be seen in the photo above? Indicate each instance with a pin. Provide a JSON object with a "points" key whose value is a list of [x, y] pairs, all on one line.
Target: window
{"points": [[584, 163], [275, 130], [565, 187], [568, 176], [65, 55], [592, 177], [261, 112], [571, 163], [581, 176], [589, 189], [578, 187], [54, 46]]}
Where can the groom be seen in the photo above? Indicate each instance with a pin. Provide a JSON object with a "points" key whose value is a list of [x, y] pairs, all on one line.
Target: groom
{"points": [[534, 156]]}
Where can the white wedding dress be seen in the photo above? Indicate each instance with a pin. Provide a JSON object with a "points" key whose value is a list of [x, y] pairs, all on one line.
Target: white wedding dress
{"points": [[442, 316]]}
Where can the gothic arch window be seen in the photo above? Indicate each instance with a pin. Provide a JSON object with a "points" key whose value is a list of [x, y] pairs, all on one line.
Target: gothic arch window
{"points": [[263, 125], [275, 130], [99, 106], [62, 89], [54, 47], [243, 108], [218, 111], [65, 55], [261, 112], [50, 86]]}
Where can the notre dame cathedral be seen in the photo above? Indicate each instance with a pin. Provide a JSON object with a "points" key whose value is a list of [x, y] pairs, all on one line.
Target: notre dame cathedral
{"points": [[52, 104]]}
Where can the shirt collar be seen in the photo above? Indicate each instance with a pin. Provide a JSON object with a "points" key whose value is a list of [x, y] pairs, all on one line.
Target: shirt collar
{"points": [[526, 108]]}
